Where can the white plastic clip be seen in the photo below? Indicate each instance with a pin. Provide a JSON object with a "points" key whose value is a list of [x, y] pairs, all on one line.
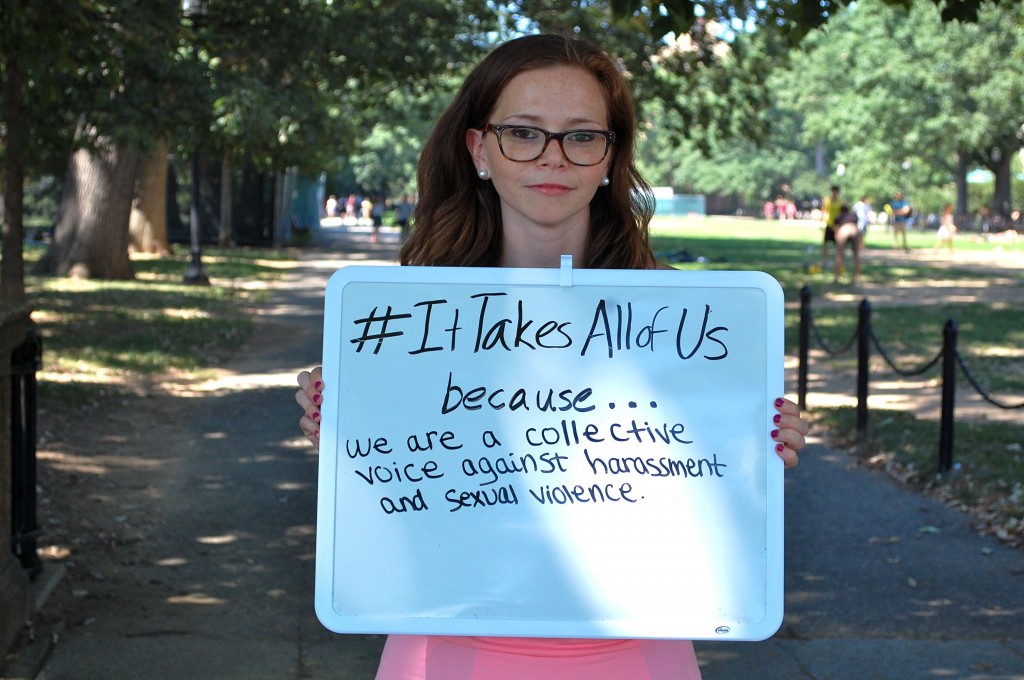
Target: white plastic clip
{"points": [[566, 271]]}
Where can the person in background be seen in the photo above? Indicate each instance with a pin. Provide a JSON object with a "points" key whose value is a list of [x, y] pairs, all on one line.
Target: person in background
{"points": [[532, 160], [901, 213], [862, 209], [947, 229], [847, 233], [403, 214], [377, 217], [830, 206]]}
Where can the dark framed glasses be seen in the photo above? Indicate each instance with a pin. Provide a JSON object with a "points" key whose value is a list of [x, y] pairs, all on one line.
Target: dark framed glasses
{"points": [[524, 143]]}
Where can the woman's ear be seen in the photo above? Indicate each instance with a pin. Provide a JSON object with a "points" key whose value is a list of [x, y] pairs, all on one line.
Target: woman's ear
{"points": [[475, 144]]}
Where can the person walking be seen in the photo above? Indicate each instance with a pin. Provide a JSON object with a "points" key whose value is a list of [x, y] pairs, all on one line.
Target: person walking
{"points": [[830, 207], [847, 232], [947, 229], [862, 209], [901, 213]]}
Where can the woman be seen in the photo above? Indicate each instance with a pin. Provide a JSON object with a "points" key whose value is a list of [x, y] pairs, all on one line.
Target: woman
{"points": [[947, 229], [847, 233], [532, 160]]}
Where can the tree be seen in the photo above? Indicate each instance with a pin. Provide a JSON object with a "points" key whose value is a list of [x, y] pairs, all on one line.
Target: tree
{"points": [[793, 20], [122, 114], [899, 96], [38, 127], [91, 236], [266, 85]]}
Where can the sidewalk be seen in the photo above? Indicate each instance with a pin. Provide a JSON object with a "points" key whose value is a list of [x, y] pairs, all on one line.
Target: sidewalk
{"points": [[881, 583]]}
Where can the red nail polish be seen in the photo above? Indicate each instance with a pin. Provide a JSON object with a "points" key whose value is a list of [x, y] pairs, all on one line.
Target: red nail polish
{"points": [[317, 385], [777, 419], [316, 398], [779, 402], [315, 417], [775, 433], [780, 448]]}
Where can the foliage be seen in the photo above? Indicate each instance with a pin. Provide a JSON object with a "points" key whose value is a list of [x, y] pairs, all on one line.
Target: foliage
{"points": [[792, 20], [890, 95], [897, 96], [295, 84]]}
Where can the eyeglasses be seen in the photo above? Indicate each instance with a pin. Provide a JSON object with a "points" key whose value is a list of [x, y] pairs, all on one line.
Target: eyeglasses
{"points": [[524, 143]]}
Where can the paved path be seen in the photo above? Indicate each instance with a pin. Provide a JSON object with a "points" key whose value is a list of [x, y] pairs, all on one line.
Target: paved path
{"points": [[880, 582]]}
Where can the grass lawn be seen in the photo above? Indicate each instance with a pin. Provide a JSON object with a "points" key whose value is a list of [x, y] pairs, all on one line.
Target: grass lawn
{"points": [[989, 479], [101, 336]]}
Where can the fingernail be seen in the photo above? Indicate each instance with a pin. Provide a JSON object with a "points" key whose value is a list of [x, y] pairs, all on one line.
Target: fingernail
{"points": [[777, 419], [780, 448], [316, 398], [775, 433], [779, 402], [317, 385], [315, 416]]}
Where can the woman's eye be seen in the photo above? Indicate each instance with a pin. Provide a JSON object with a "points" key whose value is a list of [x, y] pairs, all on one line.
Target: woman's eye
{"points": [[523, 133], [582, 137]]}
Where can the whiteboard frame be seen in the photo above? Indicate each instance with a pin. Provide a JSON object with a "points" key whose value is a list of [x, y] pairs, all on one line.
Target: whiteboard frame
{"points": [[496, 278]]}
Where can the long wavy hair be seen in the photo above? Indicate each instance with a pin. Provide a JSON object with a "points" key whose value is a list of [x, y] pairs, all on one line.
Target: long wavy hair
{"points": [[458, 216]]}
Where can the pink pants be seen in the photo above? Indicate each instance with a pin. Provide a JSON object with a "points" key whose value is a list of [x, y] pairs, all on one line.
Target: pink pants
{"points": [[418, 657]]}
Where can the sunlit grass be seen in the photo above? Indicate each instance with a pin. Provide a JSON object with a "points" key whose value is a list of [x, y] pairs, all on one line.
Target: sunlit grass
{"points": [[991, 335], [99, 335], [989, 479]]}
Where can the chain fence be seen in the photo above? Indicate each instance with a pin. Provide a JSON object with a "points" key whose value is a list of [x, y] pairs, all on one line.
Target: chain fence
{"points": [[864, 338]]}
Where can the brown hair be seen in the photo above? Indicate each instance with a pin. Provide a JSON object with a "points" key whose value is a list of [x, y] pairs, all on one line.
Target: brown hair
{"points": [[458, 217]]}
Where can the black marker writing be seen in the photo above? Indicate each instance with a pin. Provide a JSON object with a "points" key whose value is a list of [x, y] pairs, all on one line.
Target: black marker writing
{"points": [[369, 321]]}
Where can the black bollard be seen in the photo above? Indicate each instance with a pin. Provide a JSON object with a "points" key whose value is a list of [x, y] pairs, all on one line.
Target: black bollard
{"points": [[805, 341], [863, 358], [26, 360], [949, 337]]}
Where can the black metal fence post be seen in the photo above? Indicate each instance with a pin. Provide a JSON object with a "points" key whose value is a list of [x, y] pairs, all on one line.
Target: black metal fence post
{"points": [[805, 342], [26, 360], [949, 338], [863, 357]]}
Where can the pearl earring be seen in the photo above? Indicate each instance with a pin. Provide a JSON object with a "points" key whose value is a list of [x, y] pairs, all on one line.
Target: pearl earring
{"points": [[605, 181], [483, 174]]}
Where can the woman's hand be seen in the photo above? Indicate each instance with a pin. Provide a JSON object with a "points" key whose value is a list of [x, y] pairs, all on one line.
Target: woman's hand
{"points": [[309, 398], [790, 430]]}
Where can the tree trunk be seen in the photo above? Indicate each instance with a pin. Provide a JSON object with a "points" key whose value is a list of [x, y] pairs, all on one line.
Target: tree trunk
{"points": [[1001, 200], [148, 224], [226, 229], [12, 263], [91, 236], [960, 181]]}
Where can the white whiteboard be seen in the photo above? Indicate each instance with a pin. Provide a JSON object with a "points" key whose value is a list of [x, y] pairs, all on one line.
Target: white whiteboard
{"points": [[550, 453]]}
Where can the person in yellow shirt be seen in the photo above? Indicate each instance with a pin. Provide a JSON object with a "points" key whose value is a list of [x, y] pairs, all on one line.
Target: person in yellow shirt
{"points": [[830, 207]]}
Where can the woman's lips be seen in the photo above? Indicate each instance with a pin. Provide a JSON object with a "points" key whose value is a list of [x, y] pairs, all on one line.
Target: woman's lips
{"points": [[550, 189]]}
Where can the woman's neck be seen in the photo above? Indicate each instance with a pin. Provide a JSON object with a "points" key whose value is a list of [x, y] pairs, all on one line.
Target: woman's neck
{"points": [[542, 246]]}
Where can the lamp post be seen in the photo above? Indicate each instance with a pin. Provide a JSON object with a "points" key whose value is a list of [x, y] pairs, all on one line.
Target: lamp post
{"points": [[194, 274]]}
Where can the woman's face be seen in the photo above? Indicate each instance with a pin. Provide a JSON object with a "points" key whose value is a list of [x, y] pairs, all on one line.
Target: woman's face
{"points": [[547, 199]]}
